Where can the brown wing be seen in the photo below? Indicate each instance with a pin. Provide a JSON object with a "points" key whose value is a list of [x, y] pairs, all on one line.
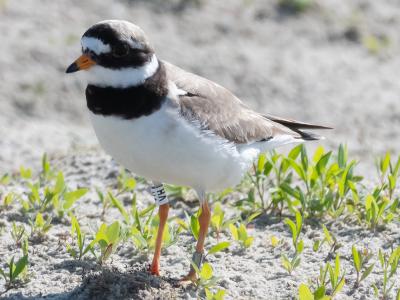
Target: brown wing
{"points": [[218, 110]]}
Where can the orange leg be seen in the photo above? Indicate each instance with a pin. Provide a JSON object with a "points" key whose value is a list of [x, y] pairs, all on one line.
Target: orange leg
{"points": [[204, 220], [163, 214]]}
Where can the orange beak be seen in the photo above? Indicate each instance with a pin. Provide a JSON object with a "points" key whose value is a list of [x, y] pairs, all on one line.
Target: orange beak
{"points": [[84, 62]]}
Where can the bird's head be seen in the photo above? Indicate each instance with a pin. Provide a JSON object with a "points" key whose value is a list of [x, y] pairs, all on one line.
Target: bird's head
{"points": [[115, 53]]}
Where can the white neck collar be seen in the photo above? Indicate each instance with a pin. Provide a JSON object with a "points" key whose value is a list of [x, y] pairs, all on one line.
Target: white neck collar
{"points": [[121, 78]]}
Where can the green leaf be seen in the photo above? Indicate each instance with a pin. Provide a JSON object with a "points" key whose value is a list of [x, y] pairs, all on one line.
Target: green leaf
{"points": [[120, 207], [19, 267], [319, 293], [293, 228], [305, 293], [248, 241], [234, 232], [299, 222], [195, 226], [242, 232], [342, 156], [39, 221], [321, 164], [219, 295], [300, 246], [60, 183], [25, 173], [356, 259], [367, 272], [218, 247], [294, 153], [72, 197], [261, 162], [327, 235], [206, 271], [385, 162], [112, 232], [298, 169]]}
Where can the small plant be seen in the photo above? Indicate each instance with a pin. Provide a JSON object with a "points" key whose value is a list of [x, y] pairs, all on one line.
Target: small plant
{"points": [[306, 294], [389, 263], [207, 281], [330, 239], [336, 279], [80, 241], [18, 233], [218, 295], [40, 226], [291, 264], [218, 248], [218, 224], [240, 235], [15, 269], [5, 179], [126, 183], [107, 238], [360, 260], [7, 201]]}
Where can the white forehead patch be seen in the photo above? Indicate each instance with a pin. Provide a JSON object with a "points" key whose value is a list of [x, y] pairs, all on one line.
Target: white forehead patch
{"points": [[95, 45]]}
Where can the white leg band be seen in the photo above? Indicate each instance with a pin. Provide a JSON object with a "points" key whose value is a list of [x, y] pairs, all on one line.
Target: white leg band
{"points": [[159, 195]]}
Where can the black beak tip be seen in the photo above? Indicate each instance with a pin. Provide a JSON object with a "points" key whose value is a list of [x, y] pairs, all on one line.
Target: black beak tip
{"points": [[72, 68]]}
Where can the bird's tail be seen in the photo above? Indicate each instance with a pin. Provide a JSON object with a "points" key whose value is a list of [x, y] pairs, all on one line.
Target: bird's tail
{"points": [[298, 127]]}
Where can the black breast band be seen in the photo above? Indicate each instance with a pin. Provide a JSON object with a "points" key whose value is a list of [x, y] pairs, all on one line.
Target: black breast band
{"points": [[132, 102]]}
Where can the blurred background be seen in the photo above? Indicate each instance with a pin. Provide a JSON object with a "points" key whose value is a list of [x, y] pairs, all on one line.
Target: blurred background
{"points": [[332, 62]]}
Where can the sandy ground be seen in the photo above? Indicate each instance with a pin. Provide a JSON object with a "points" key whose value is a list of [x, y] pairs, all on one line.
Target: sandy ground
{"points": [[336, 64]]}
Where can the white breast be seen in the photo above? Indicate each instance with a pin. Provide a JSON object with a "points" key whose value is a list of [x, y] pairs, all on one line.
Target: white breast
{"points": [[165, 147]]}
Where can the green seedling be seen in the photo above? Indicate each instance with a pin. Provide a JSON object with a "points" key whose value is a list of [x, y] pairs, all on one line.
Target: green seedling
{"points": [[18, 233], [62, 199], [330, 239], [107, 238], [295, 229], [14, 271], [79, 240], [240, 235], [43, 194], [25, 173], [291, 264], [7, 201], [389, 263], [218, 248], [40, 226], [306, 294], [218, 295], [360, 260], [126, 183], [218, 224], [5, 179], [142, 226], [375, 211], [105, 202], [336, 279], [206, 279]]}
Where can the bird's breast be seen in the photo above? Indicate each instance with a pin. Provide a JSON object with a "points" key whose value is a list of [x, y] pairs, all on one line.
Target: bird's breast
{"points": [[164, 147]]}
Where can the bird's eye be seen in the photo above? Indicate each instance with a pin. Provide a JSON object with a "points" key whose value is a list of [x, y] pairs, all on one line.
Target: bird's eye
{"points": [[120, 50]]}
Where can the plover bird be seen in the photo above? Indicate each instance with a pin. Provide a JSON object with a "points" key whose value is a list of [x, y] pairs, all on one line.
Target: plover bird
{"points": [[169, 125]]}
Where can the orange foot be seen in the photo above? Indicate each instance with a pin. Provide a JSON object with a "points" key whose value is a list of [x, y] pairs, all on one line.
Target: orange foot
{"points": [[154, 269], [189, 277]]}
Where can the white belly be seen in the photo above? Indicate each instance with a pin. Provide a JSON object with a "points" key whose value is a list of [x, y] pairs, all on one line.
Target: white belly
{"points": [[164, 147]]}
